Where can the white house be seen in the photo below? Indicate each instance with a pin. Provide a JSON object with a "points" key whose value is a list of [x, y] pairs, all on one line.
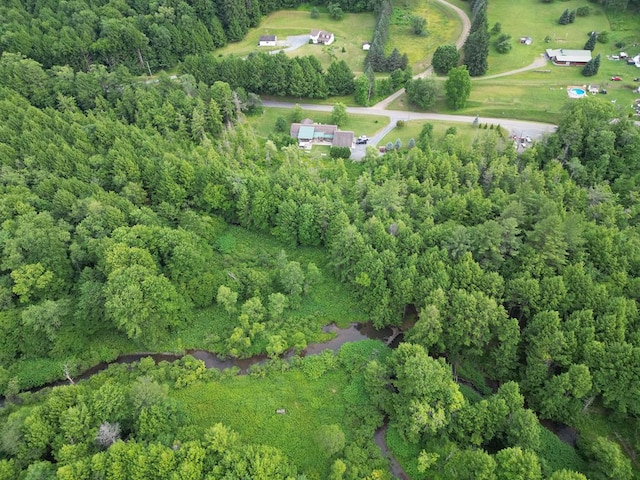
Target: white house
{"points": [[267, 41], [320, 36]]}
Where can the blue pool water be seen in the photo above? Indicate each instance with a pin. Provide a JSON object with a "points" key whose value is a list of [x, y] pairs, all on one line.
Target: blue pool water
{"points": [[578, 91]]}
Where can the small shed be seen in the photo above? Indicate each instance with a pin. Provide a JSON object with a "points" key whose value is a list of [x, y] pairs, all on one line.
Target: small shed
{"points": [[526, 40], [267, 41], [366, 46]]}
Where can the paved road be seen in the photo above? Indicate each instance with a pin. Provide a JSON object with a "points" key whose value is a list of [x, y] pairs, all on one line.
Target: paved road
{"points": [[520, 128]]}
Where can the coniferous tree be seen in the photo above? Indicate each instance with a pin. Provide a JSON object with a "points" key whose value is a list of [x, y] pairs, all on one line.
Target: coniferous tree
{"points": [[591, 43], [592, 67], [565, 18]]}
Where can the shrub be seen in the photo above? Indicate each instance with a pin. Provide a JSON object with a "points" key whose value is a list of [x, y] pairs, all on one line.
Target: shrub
{"points": [[315, 13], [583, 11], [503, 43], [603, 37], [281, 125], [421, 92], [496, 29], [445, 58], [400, 124], [340, 152], [451, 131]]}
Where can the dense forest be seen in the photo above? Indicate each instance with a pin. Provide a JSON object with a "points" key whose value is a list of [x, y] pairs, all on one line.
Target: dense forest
{"points": [[142, 36], [117, 197], [525, 267]]}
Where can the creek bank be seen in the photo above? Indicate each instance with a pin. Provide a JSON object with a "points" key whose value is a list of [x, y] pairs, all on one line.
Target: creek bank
{"points": [[380, 438]]}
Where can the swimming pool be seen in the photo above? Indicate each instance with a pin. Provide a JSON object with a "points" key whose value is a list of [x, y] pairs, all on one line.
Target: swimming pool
{"points": [[576, 92]]}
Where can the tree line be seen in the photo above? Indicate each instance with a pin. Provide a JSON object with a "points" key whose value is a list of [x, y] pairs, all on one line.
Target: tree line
{"points": [[142, 37], [476, 46], [277, 74]]}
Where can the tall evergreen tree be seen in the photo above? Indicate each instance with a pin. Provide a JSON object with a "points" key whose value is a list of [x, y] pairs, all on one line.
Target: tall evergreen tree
{"points": [[592, 67], [591, 43]]}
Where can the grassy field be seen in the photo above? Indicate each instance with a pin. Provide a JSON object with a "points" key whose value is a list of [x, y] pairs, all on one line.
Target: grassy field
{"points": [[350, 33], [540, 95], [466, 132], [360, 124], [540, 20], [248, 405], [443, 27]]}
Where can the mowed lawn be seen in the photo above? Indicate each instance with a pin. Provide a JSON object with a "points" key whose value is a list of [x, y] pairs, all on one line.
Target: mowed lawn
{"points": [[540, 20], [350, 32], [248, 405], [264, 124], [443, 27], [465, 131]]}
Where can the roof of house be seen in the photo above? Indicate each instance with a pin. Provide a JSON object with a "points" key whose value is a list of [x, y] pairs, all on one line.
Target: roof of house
{"points": [[562, 55], [326, 129], [267, 38], [303, 131], [306, 132], [342, 139], [315, 33], [324, 35]]}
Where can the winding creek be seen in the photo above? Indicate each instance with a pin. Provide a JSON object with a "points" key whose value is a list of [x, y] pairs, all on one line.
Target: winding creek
{"points": [[353, 333]]}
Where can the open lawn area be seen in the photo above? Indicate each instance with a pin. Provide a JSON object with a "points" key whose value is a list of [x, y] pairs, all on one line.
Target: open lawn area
{"points": [[350, 33], [248, 405], [443, 27], [466, 132], [540, 20], [540, 95], [360, 124]]}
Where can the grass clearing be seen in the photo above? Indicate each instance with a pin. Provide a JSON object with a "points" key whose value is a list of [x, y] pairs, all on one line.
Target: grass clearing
{"points": [[540, 20], [264, 124], [443, 27], [248, 405], [466, 132], [350, 33]]}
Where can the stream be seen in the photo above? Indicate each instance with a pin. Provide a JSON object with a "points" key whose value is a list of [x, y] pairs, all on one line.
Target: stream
{"points": [[353, 333]]}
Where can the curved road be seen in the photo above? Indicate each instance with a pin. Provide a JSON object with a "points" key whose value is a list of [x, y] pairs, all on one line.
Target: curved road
{"points": [[466, 26]]}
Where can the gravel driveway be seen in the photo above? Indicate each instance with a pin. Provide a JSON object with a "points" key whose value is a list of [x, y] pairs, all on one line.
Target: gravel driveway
{"points": [[293, 42]]}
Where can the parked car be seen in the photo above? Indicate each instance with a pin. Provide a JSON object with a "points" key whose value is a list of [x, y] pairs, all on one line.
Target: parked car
{"points": [[616, 79], [362, 140], [603, 91]]}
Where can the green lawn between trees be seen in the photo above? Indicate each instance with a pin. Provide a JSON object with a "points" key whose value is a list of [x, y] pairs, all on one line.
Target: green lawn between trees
{"points": [[352, 30]]}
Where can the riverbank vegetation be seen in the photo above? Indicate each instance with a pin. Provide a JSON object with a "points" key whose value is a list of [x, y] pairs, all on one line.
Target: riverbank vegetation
{"points": [[307, 418]]}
